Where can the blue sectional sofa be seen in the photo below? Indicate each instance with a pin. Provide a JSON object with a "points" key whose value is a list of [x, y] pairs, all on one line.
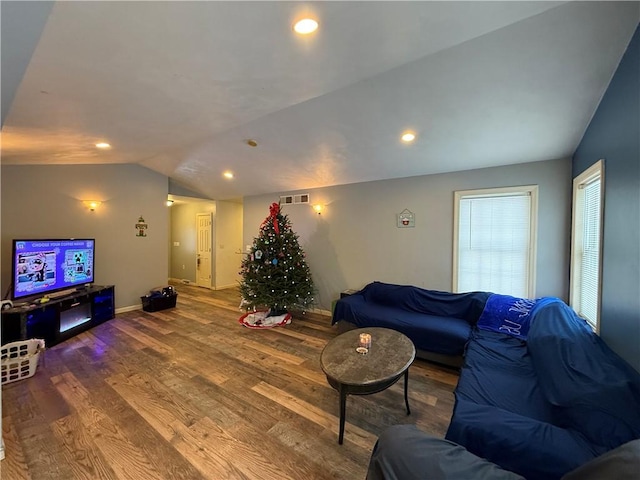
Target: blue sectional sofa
{"points": [[438, 323], [539, 395]]}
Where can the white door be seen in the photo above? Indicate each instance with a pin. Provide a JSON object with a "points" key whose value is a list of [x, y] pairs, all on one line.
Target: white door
{"points": [[203, 250]]}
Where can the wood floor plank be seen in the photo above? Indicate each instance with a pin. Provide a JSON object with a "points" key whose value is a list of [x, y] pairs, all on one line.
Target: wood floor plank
{"points": [[294, 464], [125, 459], [154, 325], [143, 436], [80, 452], [322, 452], [14, 465], [321, 417], [206, 451], [190, 394], [158, 405], [140, 336]]}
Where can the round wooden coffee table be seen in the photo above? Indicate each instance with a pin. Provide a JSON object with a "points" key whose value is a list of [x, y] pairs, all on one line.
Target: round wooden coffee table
{"points": [[353, 373]]}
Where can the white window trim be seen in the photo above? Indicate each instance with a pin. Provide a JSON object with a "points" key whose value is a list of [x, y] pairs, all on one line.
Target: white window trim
{"points": [[595, 170], [531, 190]]}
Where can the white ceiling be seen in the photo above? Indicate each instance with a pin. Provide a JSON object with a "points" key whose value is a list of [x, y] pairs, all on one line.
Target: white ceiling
{"points": [[180, 86]]}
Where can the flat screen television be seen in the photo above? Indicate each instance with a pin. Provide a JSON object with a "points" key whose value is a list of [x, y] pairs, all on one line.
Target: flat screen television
{"points": [[49, 265]]}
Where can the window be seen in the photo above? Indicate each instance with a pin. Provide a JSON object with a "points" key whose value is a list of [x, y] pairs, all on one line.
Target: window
{"points": [[586, 243], [494, 240]]}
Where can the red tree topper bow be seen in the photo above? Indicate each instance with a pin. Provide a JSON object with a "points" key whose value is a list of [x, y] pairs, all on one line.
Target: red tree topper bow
{"points": [[274, 209]]}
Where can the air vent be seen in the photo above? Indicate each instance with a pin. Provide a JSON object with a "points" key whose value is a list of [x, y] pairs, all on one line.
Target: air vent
{"points": [[289, 199]]}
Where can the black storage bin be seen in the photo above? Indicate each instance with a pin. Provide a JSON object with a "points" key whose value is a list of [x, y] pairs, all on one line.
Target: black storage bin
{"points": [[153, 303]]}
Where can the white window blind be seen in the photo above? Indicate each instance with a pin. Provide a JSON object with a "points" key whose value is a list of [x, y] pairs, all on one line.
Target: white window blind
{"points": [[494, 243], [587, 231]]}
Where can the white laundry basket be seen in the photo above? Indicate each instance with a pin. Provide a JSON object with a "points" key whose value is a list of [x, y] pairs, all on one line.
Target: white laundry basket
{"points": [[19, 360]]}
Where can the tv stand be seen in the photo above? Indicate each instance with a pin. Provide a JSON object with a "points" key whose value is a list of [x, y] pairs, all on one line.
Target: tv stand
{"points": [[63, 293], [59, 318]]}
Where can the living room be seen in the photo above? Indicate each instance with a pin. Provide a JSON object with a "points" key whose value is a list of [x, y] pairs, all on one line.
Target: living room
{"points": [[355, 239]]}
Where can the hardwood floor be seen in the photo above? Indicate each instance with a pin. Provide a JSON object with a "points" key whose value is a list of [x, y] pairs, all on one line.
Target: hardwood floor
{"points": [[189, 393]]}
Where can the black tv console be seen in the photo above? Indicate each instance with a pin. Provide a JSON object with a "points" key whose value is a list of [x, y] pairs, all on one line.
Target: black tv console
{"points": [[59, 318]]}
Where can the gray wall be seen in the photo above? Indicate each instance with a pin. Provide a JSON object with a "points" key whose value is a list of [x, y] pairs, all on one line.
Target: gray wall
{"points": [[228, 244], [355, 240], [614, 134], [42, 201]]}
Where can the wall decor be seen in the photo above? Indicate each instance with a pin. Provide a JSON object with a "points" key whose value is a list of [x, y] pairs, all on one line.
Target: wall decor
{"points": [[141, 226], [406, 219]]}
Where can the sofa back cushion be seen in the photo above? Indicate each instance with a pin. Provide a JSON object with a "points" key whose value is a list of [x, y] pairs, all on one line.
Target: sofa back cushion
{"points": [[594, 391], [466, 306], [507, 314]]}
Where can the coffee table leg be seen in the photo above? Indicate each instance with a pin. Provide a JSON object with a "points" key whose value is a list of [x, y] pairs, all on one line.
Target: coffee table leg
{"points": [[406, 388], [343, 408]]}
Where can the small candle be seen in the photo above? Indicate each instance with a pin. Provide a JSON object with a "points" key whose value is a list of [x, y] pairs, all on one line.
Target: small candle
{"points": [[365, 340]]}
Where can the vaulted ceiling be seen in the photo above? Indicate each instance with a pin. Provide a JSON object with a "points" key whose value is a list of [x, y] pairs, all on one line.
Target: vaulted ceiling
{"points": [[180, 87]]}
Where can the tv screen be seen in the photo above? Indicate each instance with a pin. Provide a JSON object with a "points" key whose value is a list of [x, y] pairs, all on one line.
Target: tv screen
{"points": [[43, 266]]}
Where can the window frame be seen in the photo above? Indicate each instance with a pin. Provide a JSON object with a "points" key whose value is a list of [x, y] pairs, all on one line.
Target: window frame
{"points": [[592, 173], [532, 191]]}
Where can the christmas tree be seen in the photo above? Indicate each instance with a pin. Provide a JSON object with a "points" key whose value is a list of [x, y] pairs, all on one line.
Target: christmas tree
{"points": [[274, 273]]}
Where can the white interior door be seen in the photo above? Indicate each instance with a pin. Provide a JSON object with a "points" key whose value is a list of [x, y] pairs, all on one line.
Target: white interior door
{"points": [[203, 250]]}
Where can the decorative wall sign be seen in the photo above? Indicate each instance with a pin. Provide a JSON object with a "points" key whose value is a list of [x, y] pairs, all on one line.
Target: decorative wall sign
{"points": [[141, 226], [406, 219]]}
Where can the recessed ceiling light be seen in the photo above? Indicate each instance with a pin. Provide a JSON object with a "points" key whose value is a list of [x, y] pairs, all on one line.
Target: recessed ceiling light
{"points": [[228, 175], [305, 26], [408, 137], [103, 145]]}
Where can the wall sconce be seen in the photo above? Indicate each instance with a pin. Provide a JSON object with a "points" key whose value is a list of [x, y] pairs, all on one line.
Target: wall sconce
{"points": [[169, 203], [92, 204], [318, 208]]}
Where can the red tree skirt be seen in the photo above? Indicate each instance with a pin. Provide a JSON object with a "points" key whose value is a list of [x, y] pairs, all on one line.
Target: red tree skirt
{"points": [[259, 319]]}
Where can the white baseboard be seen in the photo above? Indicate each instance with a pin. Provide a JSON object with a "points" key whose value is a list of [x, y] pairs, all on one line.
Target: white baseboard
{"points": [[223, 287], [130, 308], [184, 281]]}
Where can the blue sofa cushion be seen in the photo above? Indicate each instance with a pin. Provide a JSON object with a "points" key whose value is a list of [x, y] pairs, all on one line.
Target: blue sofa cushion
{"points": [[592, 389], [498, 371], [428, 332], [507, 314], [536, 450]]}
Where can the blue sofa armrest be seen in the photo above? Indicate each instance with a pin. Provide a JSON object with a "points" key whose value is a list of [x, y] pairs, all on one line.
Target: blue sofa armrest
{"points": [[592, 389], [622, 463], [405, 453]]}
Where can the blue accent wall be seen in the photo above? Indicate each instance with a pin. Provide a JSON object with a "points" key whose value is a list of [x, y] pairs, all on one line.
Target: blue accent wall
{"points": [[614, 134]]}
